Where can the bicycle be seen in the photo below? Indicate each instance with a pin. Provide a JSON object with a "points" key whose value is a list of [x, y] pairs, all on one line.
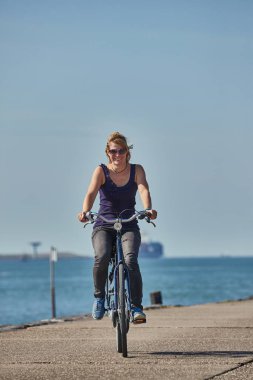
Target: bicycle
{"points": [[118, 296]]}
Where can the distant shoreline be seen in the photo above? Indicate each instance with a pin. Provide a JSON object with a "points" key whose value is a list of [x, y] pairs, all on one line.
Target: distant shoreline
{"points": [[68, 255], [41, 256]]}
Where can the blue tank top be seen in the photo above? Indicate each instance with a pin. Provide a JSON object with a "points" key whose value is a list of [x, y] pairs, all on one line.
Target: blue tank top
{"points": [[114, 199]]}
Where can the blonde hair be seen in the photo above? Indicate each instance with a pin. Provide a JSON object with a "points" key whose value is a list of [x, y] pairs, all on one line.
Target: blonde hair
{"points": [[118, 138]]}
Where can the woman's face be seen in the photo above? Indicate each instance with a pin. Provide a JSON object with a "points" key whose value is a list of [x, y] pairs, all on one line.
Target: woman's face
{"points": [[117, 154]]}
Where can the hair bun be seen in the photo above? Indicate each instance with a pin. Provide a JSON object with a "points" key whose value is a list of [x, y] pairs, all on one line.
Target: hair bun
{"points": [[117, 136]]}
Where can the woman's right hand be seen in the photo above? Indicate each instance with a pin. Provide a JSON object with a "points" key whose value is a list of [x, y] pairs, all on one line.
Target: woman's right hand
{"points": [[82, 217]]}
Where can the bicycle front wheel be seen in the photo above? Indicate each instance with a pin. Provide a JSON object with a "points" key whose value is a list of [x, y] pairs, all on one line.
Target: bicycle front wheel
{"points": [[122, 311]]}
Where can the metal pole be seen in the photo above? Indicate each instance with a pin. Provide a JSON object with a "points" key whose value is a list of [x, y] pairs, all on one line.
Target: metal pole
{"points": [[53, 259]]}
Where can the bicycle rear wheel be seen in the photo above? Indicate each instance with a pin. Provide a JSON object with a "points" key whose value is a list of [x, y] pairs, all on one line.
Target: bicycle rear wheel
{"points": [[122, 318]]}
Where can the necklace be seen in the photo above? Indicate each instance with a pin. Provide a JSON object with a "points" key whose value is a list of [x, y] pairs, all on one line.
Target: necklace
{"points": [[121, 171]]}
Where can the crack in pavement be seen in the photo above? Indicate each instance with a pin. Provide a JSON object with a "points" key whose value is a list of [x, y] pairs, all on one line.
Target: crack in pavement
{"points": [[229, 370]]}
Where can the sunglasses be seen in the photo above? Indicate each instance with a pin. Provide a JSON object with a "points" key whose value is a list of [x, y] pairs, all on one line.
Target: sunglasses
{"points": [[119, 151]]}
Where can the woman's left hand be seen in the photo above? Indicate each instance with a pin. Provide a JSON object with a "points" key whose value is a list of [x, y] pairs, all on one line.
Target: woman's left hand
{"points": [[153, 214]]}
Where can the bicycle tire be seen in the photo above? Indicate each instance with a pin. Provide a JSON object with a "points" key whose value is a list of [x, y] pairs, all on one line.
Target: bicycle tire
{"points": [[122, 310], [118, 337]]}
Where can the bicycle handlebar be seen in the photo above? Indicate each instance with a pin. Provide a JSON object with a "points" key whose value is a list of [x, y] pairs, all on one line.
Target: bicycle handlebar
{"points": [[92, 216]]}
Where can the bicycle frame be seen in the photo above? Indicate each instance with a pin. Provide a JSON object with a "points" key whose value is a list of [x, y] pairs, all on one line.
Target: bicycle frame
{"points": [[112, 279], [120, 260]]}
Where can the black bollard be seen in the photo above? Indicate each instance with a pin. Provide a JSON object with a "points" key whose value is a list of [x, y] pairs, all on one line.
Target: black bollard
{"points": [[156, 298]]}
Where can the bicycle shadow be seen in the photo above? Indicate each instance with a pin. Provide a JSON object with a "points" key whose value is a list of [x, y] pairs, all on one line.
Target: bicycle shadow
{"points": [[233, 354], [228, 354]]}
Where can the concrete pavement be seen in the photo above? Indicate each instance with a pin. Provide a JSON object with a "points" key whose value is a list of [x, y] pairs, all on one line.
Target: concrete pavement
{"points": [[212, 341]]}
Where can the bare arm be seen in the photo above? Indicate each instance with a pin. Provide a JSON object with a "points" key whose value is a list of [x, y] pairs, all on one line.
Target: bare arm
{"points": [[143, 189], [96, 182]]}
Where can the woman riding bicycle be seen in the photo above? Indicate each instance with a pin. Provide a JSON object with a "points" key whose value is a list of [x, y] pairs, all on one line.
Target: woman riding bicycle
{"points": [[117, 184]]}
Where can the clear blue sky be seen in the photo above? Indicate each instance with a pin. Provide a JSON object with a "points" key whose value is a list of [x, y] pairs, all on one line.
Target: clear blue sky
{"points": [[174, 76]]}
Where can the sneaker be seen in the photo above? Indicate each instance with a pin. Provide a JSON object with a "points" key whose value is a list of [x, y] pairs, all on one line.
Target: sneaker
{"points": [[138, 316], [98, 309]]}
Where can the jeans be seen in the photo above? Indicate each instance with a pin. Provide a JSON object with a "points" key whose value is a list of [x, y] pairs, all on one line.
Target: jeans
{"points": [[103, 240]]}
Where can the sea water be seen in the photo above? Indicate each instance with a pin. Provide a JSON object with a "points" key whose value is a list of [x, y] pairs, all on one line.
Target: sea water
{"points": [[25, 285]]}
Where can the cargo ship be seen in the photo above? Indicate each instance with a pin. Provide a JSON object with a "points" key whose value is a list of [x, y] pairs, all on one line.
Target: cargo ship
{"points": [[152, 250]]}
